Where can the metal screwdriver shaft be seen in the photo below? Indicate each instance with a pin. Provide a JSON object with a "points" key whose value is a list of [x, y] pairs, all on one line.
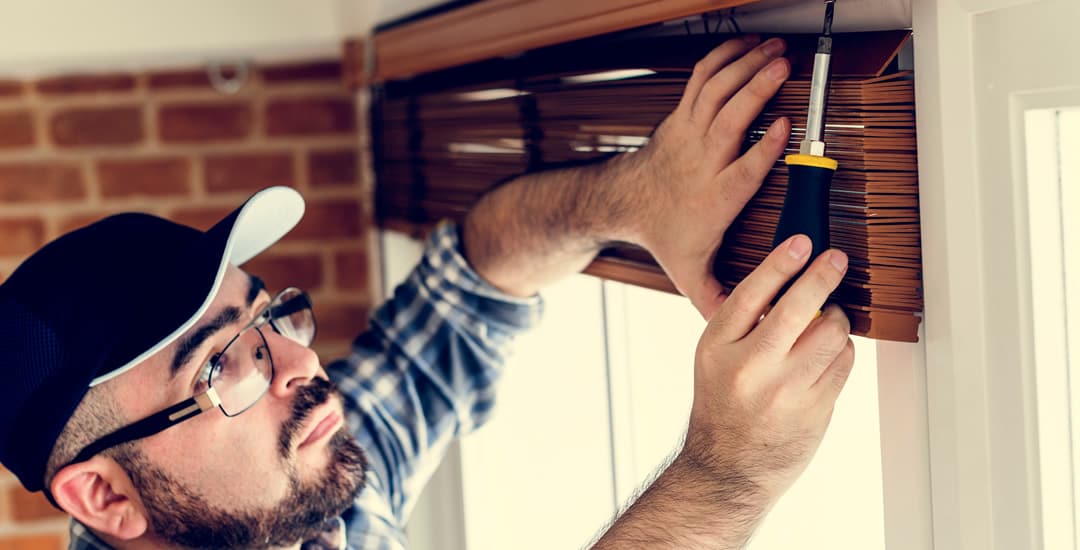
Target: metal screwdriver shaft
{"points": [[812, 144]]}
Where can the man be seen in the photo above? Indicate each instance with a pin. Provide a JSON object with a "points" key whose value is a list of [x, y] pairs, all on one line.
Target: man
{"points": [[164, 399]]}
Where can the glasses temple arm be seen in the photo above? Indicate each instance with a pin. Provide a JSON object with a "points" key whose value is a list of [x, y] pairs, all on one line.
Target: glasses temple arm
{"points": [[297, 303], [152, 424]]}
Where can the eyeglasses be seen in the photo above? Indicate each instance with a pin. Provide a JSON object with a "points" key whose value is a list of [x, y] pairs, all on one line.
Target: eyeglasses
{"points": [[234, 379]]}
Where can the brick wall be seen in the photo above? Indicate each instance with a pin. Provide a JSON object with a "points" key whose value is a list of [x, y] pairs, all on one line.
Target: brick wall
{"points": [[74, 149]]}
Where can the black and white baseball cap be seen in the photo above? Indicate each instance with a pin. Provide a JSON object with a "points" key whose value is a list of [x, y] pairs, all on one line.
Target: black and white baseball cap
{"points": [[99, 300]]}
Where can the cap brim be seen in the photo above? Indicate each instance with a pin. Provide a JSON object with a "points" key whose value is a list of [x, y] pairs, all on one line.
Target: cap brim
{"points": [[257, 224]]}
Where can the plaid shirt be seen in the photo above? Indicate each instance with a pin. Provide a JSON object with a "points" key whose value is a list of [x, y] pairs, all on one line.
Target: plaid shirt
{"points": [[421, 376]]}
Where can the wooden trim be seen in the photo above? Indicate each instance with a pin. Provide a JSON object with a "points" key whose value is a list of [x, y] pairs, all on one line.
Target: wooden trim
{"points": [[631, 272], [493, 28], [354, 63]]}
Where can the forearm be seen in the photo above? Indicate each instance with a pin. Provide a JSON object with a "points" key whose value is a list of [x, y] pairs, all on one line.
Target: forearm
{"points": [[543, 226], [690, 505]]}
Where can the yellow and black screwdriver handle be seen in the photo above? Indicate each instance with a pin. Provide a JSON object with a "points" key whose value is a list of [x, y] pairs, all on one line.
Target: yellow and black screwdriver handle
{"points": [[806, 205]]}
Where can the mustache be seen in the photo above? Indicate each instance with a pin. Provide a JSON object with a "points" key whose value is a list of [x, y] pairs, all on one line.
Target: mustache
{"points": [[308, 398]]}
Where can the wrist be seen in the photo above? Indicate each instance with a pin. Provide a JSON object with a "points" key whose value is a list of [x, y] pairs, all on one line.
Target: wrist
{"points": [[623, 181], [732, 478]]}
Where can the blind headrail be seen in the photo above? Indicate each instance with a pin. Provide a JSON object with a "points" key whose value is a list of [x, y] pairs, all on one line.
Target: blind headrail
{"points": [[495, 28]]}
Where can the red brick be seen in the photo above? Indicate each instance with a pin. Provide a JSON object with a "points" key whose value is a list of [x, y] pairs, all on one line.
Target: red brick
{"points": [[150, 177], [248, 171], [97, 126], [203, 122], [11, 87], [32, 542], [202, 218], [333, 115], [332, 167], [351, 270], [28, 506], [328, 351], [281, 271], [294, 72], [76, 84], [40, 182], [179, 79], [338, 321], [21, 236], [75, 221], [329, 220], [16, 128]]}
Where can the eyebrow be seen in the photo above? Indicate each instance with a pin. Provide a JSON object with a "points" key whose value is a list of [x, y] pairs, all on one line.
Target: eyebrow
{"points": [[228, 316]]}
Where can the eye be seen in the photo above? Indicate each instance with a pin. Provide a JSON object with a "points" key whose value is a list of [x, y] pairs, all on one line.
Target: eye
{"points": [[203, 382]]}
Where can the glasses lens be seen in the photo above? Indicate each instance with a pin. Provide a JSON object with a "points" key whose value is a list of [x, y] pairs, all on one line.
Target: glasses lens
{"points": [[291, 315], [242, 372]]}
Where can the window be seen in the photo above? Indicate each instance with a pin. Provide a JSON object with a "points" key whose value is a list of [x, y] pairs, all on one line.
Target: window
{"points": [[538, 475], [1053, 137], [837, 503], [597, 398]]}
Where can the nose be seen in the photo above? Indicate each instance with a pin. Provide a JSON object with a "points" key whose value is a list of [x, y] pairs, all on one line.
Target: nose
{"points": [[294, 364]]}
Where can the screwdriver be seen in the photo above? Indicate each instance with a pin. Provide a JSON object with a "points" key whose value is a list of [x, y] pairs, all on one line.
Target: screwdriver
{"points": [[810, 172]]}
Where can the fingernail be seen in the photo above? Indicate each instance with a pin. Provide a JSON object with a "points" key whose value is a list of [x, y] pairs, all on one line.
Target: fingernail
{"points": [[751, 39], [773, 47], [777, 70], [838, 260], [799, 247], [777, 129]]}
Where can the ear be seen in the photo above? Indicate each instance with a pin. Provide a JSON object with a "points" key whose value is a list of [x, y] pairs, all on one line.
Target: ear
{"points": [[100, 495]]}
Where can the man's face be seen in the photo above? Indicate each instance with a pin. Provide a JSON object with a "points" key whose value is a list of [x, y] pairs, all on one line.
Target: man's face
{"points": [[270, 476]]}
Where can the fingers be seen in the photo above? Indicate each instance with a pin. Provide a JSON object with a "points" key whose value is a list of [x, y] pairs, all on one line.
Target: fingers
{"points": [[708, 296], [782, 326], [821, 344], [743, 177], [836, 375], [741, 311], [713, 62], [729, 127], [725, 83]]}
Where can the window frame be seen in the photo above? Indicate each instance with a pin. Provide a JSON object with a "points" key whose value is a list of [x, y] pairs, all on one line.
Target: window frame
{"points": [[975, 80]]}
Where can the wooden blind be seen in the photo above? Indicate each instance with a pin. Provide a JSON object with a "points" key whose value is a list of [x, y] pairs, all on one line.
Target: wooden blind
{"points": [[444, 138]]}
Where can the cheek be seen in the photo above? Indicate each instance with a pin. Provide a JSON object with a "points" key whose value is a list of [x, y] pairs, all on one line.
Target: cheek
{"points": [[233, 462]]}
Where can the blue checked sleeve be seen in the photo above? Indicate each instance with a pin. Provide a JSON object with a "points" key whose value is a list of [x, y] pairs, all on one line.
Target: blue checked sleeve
{"points": [[423, 375]]}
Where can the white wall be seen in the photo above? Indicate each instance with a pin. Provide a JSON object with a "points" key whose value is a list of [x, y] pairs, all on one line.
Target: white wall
{"points": [[60, 36], [389, 10], [53, 36]]}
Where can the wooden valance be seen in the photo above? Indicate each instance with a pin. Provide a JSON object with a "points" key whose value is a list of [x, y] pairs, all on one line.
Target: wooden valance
{"points": [[475, 31]]}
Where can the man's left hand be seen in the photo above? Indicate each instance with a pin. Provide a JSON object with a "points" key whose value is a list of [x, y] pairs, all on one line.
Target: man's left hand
{"points": [[690, 178]]}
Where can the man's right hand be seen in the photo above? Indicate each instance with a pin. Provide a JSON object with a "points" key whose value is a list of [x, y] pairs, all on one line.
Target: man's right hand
{"points": [[764, 387], [765, 382]]}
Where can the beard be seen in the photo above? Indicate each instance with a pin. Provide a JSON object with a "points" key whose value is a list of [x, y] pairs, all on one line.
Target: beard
{"points": [[184, 518]]}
